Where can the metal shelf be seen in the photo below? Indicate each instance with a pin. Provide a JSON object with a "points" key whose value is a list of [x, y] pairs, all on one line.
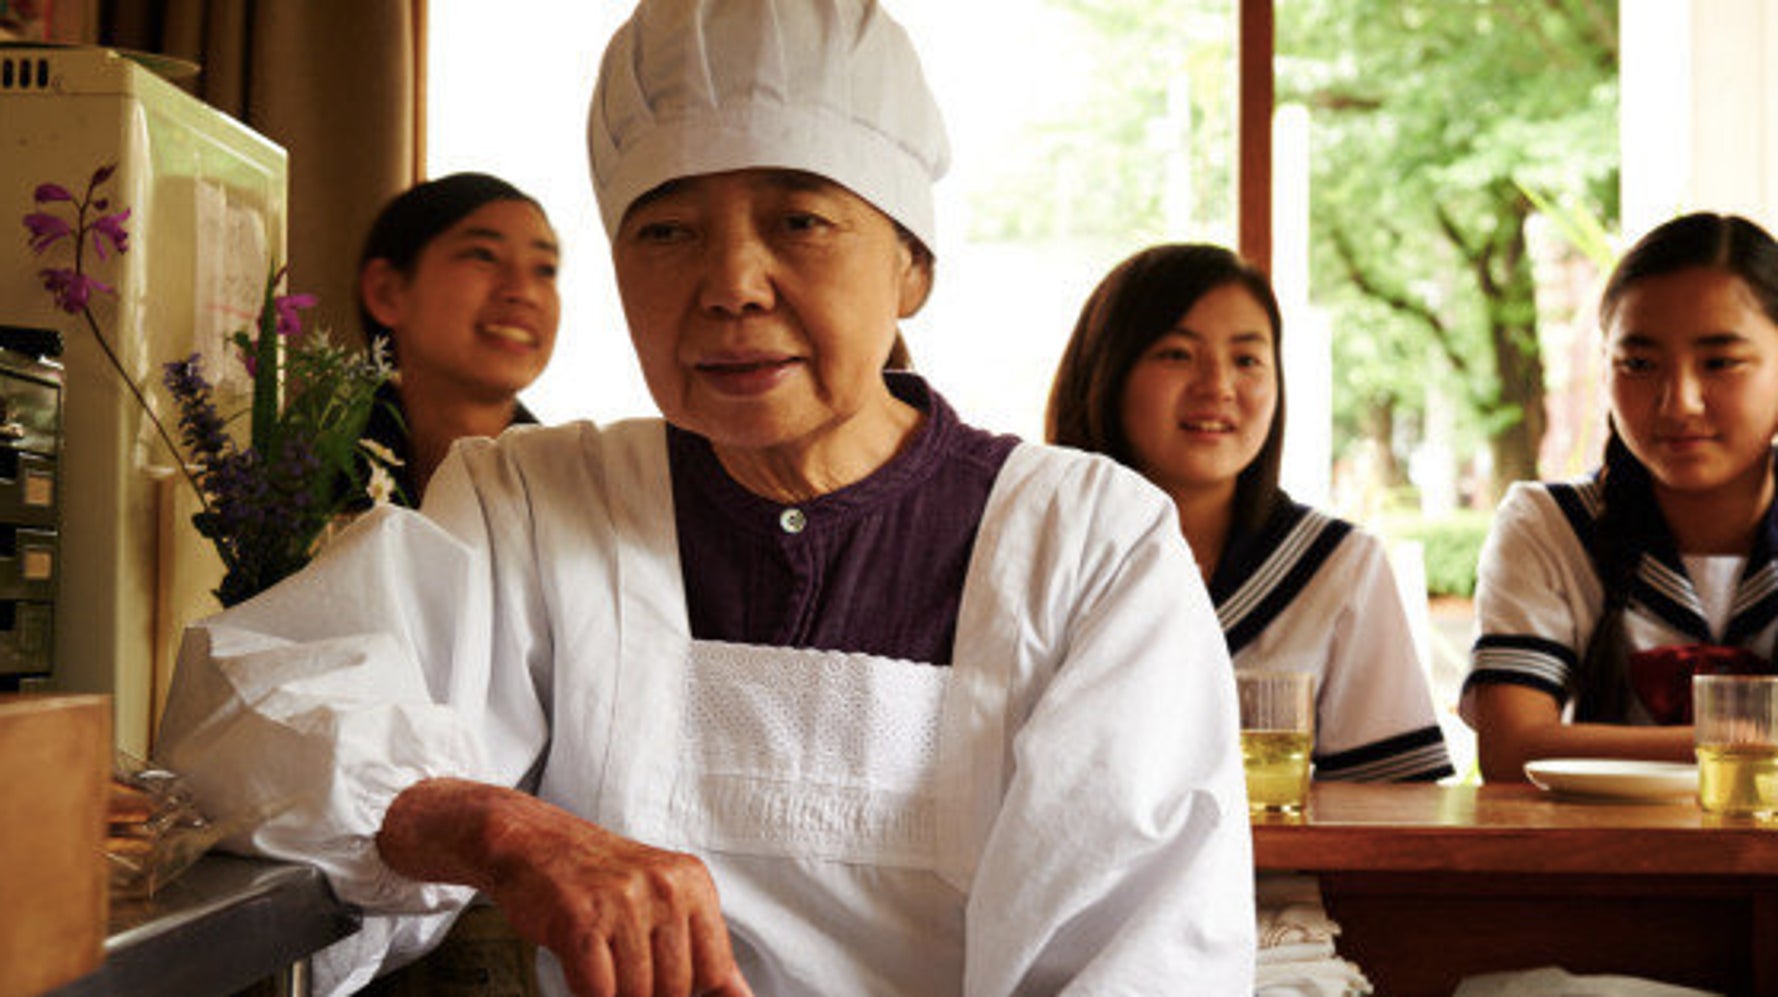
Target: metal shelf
{"points": [[225, 925]]}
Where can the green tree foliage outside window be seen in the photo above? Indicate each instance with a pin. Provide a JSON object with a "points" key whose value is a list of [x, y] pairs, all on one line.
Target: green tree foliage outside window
{"points": [[1158, 105], [1439, 126], [1438, 129]]}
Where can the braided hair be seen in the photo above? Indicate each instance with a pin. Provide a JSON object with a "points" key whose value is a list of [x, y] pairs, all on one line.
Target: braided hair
{"points": [[1735, 246]]}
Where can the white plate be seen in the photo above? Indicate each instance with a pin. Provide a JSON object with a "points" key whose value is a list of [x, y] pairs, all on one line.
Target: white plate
{"points": [[1616, 778]]}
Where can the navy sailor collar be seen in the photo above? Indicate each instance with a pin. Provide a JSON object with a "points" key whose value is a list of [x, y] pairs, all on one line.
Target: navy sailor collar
{"points": [[1662, 586], [1261, 573]]}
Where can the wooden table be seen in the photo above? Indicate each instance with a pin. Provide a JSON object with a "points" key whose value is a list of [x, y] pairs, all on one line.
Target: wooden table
{"points": [[1432, 883]]}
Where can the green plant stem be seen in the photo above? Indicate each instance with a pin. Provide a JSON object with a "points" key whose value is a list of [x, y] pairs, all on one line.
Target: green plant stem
{"points": [[266, 376], [142, 401]]}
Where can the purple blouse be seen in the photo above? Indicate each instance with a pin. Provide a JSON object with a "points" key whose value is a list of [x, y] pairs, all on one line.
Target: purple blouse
{"points": [[876, 567]]}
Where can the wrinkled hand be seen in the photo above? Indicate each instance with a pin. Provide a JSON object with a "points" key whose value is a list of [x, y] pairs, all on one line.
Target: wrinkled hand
{"points": [[623, 918]]}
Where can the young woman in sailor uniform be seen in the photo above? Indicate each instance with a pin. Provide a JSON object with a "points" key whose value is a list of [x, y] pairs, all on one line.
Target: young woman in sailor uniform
{"points": [[1173, 370], [458, 280], [1598, 599]]}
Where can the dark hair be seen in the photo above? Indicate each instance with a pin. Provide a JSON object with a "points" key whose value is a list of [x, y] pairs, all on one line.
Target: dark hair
{"points": [[1137, 303], [1728, 243], [415, 217], [1735, 246]]}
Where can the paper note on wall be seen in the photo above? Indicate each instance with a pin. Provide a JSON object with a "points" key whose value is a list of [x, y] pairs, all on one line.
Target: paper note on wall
{"points": [[231, 265]]}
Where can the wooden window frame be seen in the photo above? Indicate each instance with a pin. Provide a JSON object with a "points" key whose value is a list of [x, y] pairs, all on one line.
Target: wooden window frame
{"points": [[1253, 184]]}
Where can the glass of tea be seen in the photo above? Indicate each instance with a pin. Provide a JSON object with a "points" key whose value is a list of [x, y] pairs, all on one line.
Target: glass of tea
{"points": [[1277, 734], [1735, 727]]}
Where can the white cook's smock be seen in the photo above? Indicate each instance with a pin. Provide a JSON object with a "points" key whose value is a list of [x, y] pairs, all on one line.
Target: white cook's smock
{"points": [[1060, 811]]}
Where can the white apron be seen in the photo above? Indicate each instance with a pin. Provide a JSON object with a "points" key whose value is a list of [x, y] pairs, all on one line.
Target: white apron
{"points": [[1059, 811], [788, 769]]}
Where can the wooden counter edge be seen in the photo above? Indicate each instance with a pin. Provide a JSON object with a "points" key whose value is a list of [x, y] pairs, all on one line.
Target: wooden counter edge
{"points": [[57, 753]]}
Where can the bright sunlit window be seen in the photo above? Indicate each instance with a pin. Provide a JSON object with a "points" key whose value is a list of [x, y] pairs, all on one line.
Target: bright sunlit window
{"points": [[507, 95]]}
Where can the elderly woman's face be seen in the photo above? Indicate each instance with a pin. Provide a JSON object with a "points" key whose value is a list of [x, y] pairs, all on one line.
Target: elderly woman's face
{"points": [[763, 303]]}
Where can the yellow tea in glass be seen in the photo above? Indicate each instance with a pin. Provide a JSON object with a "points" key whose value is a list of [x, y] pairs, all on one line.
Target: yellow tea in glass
{"points": [[1735, 727], [1738, 780], [1277, 735], [1277, 764]]}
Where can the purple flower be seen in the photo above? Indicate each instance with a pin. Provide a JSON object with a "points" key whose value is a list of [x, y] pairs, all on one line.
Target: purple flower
{"points": [[202, 427], [45, 230], [264, 503], [109, 229], [71, 289], [289, 322], [249, 353]]}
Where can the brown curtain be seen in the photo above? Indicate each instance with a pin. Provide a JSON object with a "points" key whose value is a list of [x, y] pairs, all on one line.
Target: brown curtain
{"points": [[337, 83]]}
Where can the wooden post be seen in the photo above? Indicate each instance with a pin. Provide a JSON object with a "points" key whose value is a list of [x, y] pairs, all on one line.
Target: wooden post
{"points": [[1253, 185]]}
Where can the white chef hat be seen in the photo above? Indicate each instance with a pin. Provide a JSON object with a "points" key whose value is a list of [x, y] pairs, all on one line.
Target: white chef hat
{"points": [[831, 87]]}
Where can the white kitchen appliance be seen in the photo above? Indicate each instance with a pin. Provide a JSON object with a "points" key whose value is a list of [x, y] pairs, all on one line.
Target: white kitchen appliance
{"points": [[207, 201]]}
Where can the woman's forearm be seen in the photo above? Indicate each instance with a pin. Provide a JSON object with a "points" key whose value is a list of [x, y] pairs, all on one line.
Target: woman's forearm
{"points": [[452, 831], [1515, 724], [1503, 758]]}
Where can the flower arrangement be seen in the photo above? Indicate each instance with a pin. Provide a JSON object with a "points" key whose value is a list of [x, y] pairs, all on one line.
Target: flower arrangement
{"points": [[266, 506]]}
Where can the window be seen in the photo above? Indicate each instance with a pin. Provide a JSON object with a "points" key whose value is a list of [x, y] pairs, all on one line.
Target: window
{"points": [[506, 93]]}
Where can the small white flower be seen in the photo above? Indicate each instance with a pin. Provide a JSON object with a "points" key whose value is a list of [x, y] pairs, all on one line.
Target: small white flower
{"points": [[383, 456], [381, 486], [379, 357]]}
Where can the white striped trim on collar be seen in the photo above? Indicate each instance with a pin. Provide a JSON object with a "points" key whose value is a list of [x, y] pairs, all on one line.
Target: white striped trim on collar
{"points": [[1272, 570]]}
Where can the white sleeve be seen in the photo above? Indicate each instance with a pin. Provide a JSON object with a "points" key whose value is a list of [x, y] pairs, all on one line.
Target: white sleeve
{"points": [[1374, 708], [322, 699], [1120, 860], [1537, 596]]}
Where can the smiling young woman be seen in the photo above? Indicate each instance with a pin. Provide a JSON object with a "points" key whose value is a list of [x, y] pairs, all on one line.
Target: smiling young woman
{"points": [[1199, 405], [1693, 383], [1174, 369], [1598, 598], [458, 281]]}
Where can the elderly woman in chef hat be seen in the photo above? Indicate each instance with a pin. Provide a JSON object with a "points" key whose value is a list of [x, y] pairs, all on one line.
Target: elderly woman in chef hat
{"points": [[806, 688]]}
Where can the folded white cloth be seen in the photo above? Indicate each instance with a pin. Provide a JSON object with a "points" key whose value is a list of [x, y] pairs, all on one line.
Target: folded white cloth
{"points": [[1296, 924], [1290, 911], [1296, 952], [1296, 942], [1551, 981], [1328, 977]]}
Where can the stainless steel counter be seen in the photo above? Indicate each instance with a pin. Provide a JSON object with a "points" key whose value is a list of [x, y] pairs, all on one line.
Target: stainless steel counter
{"points": [[227, 924]]}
